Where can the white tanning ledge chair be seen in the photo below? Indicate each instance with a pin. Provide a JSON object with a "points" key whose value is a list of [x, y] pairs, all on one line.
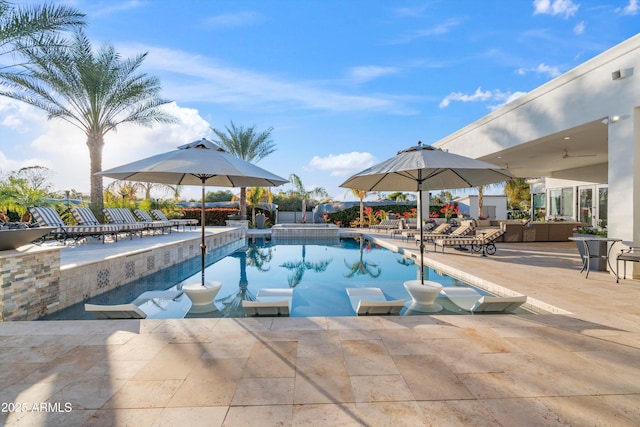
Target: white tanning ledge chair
{"points": [[366, 301], [470, 300], [134, 309], [269, 302]]}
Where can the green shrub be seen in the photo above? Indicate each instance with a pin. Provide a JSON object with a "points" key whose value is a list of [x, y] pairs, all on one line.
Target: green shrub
{"points": [[212, 216]]}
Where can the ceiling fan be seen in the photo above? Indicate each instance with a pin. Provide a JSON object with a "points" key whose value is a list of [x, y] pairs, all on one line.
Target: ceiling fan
{"points": [[567, 155]]}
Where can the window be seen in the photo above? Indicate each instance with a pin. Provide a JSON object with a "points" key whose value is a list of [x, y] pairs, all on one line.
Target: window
{"points": [[602, 207], [539, 206], [561, 202]]}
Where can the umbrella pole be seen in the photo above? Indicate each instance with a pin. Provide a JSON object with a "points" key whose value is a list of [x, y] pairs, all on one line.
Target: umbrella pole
{"points": [[203, 246], [420, 227]]}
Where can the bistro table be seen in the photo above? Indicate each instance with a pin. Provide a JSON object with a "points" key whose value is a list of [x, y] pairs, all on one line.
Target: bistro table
{"points": [[587, 256]]}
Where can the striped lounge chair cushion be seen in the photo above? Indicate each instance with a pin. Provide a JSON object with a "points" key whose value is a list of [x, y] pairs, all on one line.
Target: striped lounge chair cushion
{"points": [[84, 216], [47, 217]]}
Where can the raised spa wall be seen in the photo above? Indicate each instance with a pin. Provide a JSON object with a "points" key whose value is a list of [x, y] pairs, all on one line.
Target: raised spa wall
{"points": [[32, 282]]}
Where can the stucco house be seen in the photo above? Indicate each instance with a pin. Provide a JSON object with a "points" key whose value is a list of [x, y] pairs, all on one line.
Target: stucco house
{"points": [[578, 136]]}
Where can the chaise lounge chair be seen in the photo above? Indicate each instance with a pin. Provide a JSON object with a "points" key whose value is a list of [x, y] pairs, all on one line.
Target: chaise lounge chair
{"points": [[463, 230], [49, 217], [440, 229], [471, 300], [368, 301], [160, 216], [115, 217], [386, 224], [484, 243], [144, 217], [269, 302], [85, 216]]}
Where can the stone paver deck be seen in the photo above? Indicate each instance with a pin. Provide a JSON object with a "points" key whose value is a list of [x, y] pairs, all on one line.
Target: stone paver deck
{"points": [[578, 369]]}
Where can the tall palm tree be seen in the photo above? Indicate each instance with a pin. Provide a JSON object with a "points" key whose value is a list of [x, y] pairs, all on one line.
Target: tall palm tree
{"points": [[249, 145], [34, 25], [93, 91], [360, 194], [306, 195]]}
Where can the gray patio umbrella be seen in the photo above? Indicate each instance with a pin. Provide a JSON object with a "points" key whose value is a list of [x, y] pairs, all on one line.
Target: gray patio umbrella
{"points": [[423, 167], [202, 163]]}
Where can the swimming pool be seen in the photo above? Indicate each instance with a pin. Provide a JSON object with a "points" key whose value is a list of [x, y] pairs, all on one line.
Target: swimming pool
{"points": [[319, 273]]}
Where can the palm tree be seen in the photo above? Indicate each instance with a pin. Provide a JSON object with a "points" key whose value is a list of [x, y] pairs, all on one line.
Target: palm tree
{"points": [[360, 194], [247, 144], [93, 91], [34, 25], [306, 195], [256, 195], [518, 192]]}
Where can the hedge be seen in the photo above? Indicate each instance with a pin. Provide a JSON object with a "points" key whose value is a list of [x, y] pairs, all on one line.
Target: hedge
{"points": [[345, 217], [212, 216]]}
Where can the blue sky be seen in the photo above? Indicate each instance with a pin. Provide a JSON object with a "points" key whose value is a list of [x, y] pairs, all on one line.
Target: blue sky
{"points": [[344, 84]]}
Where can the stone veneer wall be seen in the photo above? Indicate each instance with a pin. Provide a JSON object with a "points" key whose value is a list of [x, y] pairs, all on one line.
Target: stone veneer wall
{"points": [[29, 283], [33, 284]]}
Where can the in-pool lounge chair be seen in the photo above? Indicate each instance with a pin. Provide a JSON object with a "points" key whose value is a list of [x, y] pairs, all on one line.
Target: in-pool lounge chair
{"points": [[269, 302], [367, 301], [119, 311], [49, 217], [160, 216], [471, 300], [135, 309]]}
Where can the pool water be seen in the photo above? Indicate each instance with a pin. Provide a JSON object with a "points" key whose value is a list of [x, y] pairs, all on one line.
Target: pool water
{"points": [[318, 272]]}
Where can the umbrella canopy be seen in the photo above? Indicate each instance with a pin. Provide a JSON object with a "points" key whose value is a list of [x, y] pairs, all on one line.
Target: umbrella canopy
{"points": [[201, 162], [424, 167], [197, 163]]}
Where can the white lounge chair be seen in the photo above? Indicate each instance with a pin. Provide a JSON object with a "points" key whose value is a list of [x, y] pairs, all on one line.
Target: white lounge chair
{"points": [[152, 300], [366, 301], [269, 302], [119, 311], [471, 300]]}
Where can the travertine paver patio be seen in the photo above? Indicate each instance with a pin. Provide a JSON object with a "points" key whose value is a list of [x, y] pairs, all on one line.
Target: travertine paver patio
{"points": [[576, 369]]}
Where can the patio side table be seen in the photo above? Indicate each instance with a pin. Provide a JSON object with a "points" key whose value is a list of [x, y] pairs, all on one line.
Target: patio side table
{"points": [[587, 255]]}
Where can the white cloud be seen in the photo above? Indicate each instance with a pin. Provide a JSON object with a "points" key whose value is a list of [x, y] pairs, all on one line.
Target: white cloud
{"points": [[540, 69], [478, 95], [19, 116], [555, 7], [366, 73], [232, 20], [579, 28], [631, 9], [62, 147], [204, 80], [343, 164]]}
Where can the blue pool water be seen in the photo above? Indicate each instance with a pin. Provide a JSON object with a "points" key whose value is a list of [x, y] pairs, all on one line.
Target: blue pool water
{"points": [[318, 273]]}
